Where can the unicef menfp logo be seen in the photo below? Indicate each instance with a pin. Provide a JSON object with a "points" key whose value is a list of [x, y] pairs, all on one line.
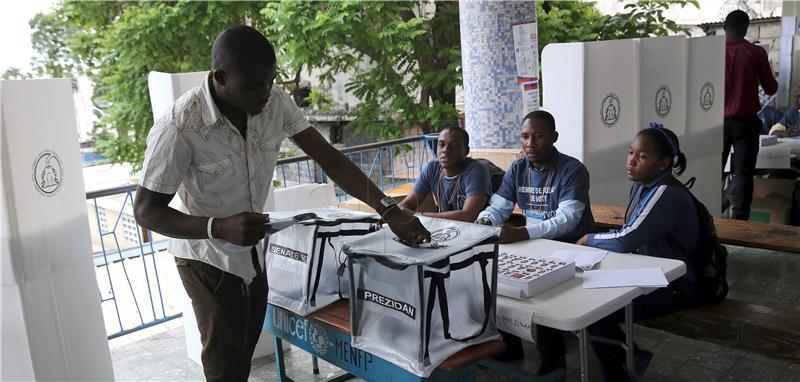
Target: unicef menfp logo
{"points": [[48, 173], [318, 337]]}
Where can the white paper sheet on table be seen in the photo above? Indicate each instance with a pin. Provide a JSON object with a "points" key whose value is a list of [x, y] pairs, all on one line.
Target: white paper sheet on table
{"points": [[638, 277], [584, 260]]}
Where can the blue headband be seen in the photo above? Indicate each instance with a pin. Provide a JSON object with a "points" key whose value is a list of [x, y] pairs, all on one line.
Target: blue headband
{"points": [[660, 128]]}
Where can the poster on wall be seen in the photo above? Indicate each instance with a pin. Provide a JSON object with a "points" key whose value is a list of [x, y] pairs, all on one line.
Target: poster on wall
{"points": [[526, 54]]}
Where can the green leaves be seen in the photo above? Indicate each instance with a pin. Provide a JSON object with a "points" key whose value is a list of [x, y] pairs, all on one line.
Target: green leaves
{"points": [[404, 58], [400, 63]]}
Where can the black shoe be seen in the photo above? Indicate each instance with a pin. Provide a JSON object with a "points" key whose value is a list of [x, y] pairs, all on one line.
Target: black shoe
{"points": [[513, 351], [547, 368]]}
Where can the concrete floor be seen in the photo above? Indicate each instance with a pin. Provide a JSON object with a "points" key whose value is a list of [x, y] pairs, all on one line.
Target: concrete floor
{"points": [[756, 276]]}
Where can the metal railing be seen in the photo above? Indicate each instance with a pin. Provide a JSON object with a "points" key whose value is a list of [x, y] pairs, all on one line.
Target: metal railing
{"points": [[130, 272], [379, 161]]}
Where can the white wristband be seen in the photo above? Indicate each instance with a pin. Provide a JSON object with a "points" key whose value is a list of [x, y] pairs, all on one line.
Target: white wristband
{"points": [[208, 228]]}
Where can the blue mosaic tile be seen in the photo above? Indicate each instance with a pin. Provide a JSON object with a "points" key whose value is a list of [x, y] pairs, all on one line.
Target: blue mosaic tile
{"points": [[492, 99]]}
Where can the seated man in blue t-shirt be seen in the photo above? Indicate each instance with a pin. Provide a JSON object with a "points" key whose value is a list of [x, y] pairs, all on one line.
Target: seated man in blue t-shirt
{"points": [[461, 186], [552, 190]]}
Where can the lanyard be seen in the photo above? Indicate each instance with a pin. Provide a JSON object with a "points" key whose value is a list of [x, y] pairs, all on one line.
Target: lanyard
{"points": [[440, 190], [638, 200]]}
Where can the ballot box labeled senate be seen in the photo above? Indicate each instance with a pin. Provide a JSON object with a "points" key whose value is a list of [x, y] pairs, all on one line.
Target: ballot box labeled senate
{"points": [[53, 325], [305, 264], [417, 306], [602, 93]]}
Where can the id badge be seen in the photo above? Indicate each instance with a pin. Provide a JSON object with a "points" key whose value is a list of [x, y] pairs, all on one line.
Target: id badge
{"points": [[532, 217]]}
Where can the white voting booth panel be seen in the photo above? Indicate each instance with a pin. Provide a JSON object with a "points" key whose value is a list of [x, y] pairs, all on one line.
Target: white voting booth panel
{"points": [[602, 93], [165, 88], [52, 323]]}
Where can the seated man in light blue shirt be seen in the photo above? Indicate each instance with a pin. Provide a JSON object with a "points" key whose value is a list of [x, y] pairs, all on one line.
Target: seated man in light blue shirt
{"points": [[789, 125], [552, 190], [461, 186]]}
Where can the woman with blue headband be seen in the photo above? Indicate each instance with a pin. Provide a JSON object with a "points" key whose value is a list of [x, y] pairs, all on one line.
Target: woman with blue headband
{"points": [[660, 221]]}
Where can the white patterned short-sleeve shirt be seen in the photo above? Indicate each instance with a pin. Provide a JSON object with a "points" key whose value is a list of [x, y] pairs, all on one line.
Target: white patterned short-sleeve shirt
{"points": [[195, 152]]}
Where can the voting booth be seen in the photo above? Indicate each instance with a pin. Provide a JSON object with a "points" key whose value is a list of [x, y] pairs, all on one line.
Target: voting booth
{"points": [[602, 93], [52, 323]]}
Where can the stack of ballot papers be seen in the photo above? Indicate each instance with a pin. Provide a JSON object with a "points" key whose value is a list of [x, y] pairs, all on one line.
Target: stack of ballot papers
{"points": [[584, 260], [638, 277], [522, 276]]}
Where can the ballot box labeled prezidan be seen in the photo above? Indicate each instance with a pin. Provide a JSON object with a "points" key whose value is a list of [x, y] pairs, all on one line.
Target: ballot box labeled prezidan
{"points": [[415, 307], [305, 266]]}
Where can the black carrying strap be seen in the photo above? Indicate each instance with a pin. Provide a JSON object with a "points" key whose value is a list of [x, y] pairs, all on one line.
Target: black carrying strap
{"points": [[327, 236], [320, 261], [437, 289]]}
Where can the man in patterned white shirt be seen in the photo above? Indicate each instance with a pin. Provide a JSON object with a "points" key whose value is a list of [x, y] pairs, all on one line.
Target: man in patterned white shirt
{"points": [[217, 148]]}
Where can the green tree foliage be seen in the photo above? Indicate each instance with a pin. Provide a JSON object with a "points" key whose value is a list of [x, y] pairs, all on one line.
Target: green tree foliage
{"points": [[404, 57], [14, 73], [118, 43]]}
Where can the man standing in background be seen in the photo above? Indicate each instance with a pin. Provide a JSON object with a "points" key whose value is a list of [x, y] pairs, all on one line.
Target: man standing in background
{"points": [[746, 65]]}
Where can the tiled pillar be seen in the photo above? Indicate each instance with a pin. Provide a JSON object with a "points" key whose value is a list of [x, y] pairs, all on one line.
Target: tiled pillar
{"points": [[492, 97]]}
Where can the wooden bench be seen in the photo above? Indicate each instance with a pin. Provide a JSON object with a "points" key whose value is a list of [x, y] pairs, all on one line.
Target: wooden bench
{"points": [[776, 237], [735, 324], [337, 315]]}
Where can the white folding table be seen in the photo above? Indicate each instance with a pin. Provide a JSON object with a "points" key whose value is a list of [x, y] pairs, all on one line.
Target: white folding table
{"points": [[570, 307]]}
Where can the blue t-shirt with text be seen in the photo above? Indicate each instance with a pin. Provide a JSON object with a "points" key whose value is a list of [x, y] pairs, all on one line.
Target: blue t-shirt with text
{"points": [[538, 192], [474, 180]]}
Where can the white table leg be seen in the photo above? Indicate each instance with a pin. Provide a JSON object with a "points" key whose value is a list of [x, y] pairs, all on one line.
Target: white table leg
{"points": [[629, 342]]}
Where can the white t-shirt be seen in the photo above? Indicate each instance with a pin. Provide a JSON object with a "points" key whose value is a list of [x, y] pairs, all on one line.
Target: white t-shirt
{"points": [[196, 152]]}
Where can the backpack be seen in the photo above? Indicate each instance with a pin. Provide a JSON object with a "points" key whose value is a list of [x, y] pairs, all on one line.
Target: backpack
{"points": [[710, 258], [495, 173]]}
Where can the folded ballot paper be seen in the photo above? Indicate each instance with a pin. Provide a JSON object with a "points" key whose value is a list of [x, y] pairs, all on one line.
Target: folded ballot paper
{"points": [[522, 276], [638, 277], [275, 225], [584, 260]]}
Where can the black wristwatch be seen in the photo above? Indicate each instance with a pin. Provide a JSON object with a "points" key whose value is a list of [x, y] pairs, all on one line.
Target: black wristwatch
{"points": [[388, 206]]}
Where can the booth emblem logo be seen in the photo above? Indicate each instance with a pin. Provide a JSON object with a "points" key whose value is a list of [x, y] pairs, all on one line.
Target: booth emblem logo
{"points": [[663, 101], [48, 174], [707, 96], [318, 337], [445, 234], [609, 112]]}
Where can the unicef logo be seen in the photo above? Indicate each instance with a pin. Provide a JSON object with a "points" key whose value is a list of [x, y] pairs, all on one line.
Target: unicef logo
{"points": [[707, 96], [318, 337], [48, 174], [445, 234], [610, 109], [663, 101]]}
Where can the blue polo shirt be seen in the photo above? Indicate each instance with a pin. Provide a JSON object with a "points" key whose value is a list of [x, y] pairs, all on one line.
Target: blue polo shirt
{"points": [[554, 199], [474, 180]]}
